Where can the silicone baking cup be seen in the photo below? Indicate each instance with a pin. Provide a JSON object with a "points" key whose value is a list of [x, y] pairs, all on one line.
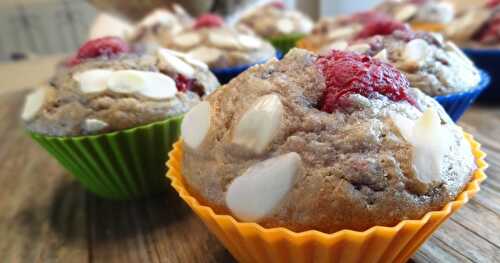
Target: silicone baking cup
{"points": [[457, 103], [250, 242], [126, 164], [224, 75], [487, 59], [286, 42]]}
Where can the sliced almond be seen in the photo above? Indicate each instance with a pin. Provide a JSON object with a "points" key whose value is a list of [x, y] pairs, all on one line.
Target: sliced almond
{"points": [[285, 25], [416, 52], [360, 48], [206, 54], [93, 125], [186, 40], [223, 40], [196, 124], [33, 103], [93, 80], [342, 33], [249, 42], [382, 55], [158, 86], [430, 142], [259, 124], [170, 61], [189, 59], [150, 84], [405, 12], [261, 188]]}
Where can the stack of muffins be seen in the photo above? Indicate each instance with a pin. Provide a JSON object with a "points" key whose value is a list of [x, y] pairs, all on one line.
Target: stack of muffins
{"points": [[339, 152]]}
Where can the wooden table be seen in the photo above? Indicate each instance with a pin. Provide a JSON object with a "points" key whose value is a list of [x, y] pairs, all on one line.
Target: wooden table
{"points": [[45, 216]]}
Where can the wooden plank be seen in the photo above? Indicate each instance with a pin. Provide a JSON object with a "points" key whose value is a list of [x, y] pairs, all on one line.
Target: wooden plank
{"points": [[159, 229], [42, 216]]}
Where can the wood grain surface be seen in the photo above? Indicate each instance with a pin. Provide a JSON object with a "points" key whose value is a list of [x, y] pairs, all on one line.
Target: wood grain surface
{"points": [[45, 216]]}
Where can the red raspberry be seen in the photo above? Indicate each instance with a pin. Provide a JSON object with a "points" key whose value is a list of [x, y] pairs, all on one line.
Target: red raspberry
{"points": [[183, 84], [72, 61], [492, 3], [278, 5], [349, 73], [381, 26], [490, 34], [105, 46], [208, 20]]}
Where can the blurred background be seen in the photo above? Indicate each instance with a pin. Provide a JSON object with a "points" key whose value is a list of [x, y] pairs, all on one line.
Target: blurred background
{"points": [[44, 27]]}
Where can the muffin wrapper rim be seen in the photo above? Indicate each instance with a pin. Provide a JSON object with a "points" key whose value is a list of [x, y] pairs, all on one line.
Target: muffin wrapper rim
{"points": [[270, 237]]}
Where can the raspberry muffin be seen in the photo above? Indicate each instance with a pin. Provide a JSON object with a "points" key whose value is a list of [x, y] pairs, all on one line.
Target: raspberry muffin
{"points": [[275, 22], [227, 51], [336, 33], [111, 117], [160, 25], [436, 67], [426, 15], [323, 143], [477, 27]]}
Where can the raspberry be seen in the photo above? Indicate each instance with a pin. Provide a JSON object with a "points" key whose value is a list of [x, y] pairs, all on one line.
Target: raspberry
{"points": [[349, 73], [492, 3], [381, 26], [208, 20], [490, 34], [105, 46], [72, 61], [278, 5], [183, 83]]}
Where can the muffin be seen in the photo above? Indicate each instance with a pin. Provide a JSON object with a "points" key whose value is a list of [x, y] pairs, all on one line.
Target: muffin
{"points": [[313, 136], [436, 67], [226, 50], [113, 115], [335, 33], [427, 15], [159, 26], [476, 27], [334, 144], [273, 21]]}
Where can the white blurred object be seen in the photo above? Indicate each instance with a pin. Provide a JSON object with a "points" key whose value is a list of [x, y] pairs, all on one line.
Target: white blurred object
{"points": [[331, 8], [109, 25]]}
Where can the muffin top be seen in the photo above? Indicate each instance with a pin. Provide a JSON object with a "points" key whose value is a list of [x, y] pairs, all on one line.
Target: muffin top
{"points": [[274, 20], [432, 65], [323, 142], [220, 46], [160, 25], [334, 33], [477, 27], [426, 15], [106, 92]]}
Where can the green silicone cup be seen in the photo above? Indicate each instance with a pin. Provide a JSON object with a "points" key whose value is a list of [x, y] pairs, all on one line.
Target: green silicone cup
{"points": [[286, 42], [123, 165]]}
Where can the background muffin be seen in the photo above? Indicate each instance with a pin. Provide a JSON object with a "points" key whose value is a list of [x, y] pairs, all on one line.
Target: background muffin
{"points": [[160, 25], [110, 94], [428, 15], [221, 46], [435, 66], [324, 143], [273, 21], [336, 33], [111, 116]]}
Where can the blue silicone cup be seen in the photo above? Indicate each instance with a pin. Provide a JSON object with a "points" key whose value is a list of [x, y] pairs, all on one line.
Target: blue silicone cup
{"points": [[457, 103], [488, 59], [224, 75]]}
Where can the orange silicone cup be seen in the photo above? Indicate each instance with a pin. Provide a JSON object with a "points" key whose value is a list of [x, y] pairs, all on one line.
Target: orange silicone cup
{"points": [[305, 44], [250, 242]]}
